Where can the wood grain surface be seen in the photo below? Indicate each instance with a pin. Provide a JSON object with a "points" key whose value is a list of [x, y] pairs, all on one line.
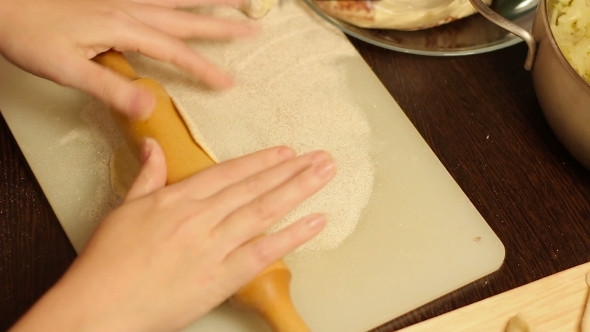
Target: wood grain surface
{"points": [[480, 116], [555, 303], [34, 250]]}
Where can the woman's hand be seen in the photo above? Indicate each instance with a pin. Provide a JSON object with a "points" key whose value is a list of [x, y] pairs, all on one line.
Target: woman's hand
{"points": [[170, 254], [55, 39]]}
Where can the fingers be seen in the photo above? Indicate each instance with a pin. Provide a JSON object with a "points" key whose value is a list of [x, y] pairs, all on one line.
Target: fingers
{"points": [[105, 85], [273, 195], [186, 25], [251, 258], [189, 3], [160, 46], [211, 180], [152, 175], [242, 193]]}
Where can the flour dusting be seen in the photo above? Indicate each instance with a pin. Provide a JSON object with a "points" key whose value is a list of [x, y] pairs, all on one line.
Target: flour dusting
{"points": [[292, 89]]}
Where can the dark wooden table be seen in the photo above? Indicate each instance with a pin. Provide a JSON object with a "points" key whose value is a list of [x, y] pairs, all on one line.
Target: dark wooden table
{"points": [[480, 116]]}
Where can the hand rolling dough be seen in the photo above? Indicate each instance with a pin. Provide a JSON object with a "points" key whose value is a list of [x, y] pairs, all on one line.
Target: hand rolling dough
{"points": [[302, 98]]}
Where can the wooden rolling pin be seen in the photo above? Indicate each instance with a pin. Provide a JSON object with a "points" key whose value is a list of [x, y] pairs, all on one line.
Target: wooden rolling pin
{"points": [[268, 293]]}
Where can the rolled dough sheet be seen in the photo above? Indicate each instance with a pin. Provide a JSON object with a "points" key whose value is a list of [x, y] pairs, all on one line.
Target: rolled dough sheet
{"points": [[286, 93]]}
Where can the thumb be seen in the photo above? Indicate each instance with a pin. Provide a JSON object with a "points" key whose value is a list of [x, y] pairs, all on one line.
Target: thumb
{"points": [[152, 175]]}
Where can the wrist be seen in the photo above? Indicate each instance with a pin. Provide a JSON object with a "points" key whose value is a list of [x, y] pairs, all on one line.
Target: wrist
{"points": [[55, 308], [75, 303]]}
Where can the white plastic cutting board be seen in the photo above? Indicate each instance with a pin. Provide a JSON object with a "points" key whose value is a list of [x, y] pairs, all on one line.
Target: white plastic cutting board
{"points": [[420, 236]]}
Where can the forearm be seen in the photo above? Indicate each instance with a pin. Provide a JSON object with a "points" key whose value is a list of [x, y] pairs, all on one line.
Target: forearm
{"points": [[6, 25], [56, 310], [76, 303]]}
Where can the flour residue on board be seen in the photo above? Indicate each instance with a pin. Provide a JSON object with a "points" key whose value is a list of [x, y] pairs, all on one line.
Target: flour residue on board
{"points": [[106, 138], [94, 143], [292, 89]]}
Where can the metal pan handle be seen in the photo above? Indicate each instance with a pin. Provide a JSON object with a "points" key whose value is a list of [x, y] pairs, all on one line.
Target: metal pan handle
{"points": [[502, 22]]}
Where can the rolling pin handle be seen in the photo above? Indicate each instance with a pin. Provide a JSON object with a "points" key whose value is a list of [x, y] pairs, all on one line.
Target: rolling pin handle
{"points": [[268, 295], [116, 62]]}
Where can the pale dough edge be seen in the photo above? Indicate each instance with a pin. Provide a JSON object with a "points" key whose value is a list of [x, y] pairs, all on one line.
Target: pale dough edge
{"points": [[194, 131]]}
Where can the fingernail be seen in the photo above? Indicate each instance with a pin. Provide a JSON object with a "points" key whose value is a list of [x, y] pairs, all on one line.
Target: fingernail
{"points": [[255, 28], [319, 156], [224, 82], [146, 149], [143, 105], [286, 153], [317, 221], [324, 169], [247, 30]]}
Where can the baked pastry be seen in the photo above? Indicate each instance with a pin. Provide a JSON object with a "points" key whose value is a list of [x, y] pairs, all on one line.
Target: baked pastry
{"points": [[397, 14]]}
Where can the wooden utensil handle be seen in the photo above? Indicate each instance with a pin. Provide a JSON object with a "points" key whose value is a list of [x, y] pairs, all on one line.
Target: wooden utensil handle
{"points": [[184, 156], [268, 293]]}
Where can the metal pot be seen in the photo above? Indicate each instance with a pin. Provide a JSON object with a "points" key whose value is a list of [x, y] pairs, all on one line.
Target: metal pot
{"points": [[563, 94]]}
